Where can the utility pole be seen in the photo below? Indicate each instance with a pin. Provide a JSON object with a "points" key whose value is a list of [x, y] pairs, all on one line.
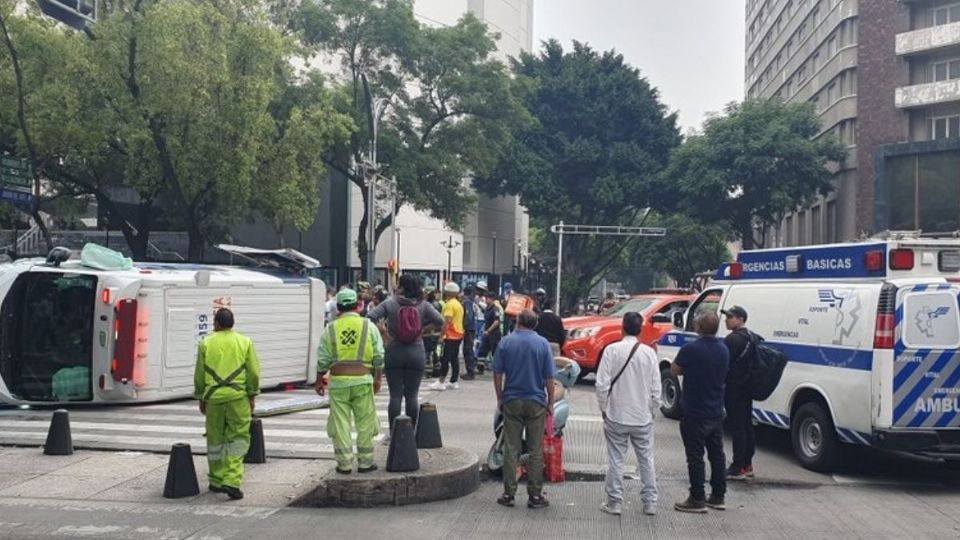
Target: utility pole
{"points": [[450, 244], [493, 269]]}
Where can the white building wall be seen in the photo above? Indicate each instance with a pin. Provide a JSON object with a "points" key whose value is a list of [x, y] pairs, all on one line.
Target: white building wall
{"points": [[419, 237]]}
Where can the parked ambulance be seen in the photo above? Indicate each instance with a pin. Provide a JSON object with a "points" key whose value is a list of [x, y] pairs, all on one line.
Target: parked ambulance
{"points": [[71, 332], [872, 331]]}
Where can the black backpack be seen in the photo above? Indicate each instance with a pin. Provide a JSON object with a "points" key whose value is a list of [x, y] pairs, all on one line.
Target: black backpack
{"points": [[766, 368]]}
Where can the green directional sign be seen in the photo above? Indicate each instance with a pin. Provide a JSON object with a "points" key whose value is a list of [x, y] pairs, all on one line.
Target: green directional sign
{"points": [[16, 172]]}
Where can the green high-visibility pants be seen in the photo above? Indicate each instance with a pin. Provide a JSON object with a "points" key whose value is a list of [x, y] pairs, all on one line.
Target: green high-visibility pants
{"points": [[228, 438], [347, 404]]}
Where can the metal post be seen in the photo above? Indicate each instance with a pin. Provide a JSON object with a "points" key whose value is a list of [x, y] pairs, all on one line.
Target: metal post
{"points": [[559, 266], [449, 258], [371, 227]]}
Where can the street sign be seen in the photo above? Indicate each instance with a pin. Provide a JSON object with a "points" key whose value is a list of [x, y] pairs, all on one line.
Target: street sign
{"points": [[16, 172], [16, 197]]}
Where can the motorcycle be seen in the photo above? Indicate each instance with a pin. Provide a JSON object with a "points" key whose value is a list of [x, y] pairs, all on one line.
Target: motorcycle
{"points": [[567, 373]]}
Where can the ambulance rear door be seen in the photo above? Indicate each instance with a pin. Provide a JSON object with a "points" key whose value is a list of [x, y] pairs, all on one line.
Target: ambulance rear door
{"points": [[926, 365]]}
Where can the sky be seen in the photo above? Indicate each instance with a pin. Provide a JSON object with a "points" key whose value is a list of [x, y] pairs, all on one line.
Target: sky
{"points": [[692, 50]]}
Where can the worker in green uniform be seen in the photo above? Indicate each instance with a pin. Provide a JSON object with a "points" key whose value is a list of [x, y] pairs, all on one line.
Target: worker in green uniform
{"points": [[226, 381], [352, 351]]}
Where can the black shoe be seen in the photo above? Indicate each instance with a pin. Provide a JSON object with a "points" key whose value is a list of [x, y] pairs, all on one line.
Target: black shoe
{"points": [[234, 493], [371, 468], [538, 501], [506, 500], [716, 502], [691, 505], [215, 489], [736, 473], [344, 471], [469, 377]]}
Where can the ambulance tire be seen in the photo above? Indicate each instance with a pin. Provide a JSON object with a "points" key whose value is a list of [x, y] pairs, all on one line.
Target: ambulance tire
{"points": [[814, 437], [670, 395]]}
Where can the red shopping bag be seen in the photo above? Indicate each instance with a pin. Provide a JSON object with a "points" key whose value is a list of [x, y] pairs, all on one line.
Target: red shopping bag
{"points": [[552, 454]]}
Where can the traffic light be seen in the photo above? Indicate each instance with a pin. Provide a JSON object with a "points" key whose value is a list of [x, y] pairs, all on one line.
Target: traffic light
{"points": [[74, 13]]}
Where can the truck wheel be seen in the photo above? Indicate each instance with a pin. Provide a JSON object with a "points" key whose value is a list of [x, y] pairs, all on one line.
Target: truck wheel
{"points": [[670, 396], [815, 441]]}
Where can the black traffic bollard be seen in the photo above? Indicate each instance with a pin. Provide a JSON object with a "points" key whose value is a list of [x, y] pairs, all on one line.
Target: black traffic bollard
{"points": [[428, 427], [181, 474], [59, 441], [402, 456], [257, 453]]}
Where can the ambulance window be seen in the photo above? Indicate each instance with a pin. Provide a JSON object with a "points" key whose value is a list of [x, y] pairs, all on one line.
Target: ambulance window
{"points": [[708, 300], [930, 320]]}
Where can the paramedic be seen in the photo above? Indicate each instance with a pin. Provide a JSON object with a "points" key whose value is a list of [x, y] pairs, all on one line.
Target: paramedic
{"points": [[352, 351], [226, 381]]}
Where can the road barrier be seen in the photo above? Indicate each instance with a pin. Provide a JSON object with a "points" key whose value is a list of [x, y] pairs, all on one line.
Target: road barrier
{"points": [[59, 441], [402, 456], [428, 427], [181, 474], [257, 453]]}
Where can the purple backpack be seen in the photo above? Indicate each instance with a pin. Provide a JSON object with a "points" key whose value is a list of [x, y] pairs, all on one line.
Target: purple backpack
{"points": [[409, 327]]}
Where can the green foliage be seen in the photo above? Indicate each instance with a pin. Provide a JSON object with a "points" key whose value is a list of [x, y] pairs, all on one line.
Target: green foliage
{"points": [[194, 105], [450, 103], [752, 165], [600, 139], [689, 248]]}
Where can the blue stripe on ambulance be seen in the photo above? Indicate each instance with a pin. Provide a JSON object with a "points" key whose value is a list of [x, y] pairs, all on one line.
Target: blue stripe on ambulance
{"points": [[911, 398], [802, 354]]}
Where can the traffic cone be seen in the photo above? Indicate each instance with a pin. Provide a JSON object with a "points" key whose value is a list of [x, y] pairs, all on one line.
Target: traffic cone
{"points": [[257, 453], [59, 442], [181, 474], [402, 456], [428, 427]]}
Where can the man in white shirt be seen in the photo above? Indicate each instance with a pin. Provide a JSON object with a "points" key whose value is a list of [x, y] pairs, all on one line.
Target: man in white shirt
{"points": [[628, 392]]}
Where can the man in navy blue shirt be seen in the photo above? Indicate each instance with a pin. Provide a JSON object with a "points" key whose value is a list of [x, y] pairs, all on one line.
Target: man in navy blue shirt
{"points": [[523, 372], [703, 364]]}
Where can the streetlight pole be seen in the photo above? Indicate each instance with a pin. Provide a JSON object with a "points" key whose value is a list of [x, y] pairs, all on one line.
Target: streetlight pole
{"points": [[493, 269], [450, 243], [376, 113]]}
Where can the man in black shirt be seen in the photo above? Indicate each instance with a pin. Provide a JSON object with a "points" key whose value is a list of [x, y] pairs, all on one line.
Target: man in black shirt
{"points": [[737, 399], [551, 327], [703, 364], [491, 327]]}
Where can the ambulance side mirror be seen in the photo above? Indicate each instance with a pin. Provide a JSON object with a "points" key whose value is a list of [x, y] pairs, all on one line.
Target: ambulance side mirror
{"points": [[678, 319]]}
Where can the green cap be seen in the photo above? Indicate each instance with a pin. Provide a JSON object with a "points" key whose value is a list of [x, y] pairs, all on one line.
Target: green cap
{"points": [[347, 297]]}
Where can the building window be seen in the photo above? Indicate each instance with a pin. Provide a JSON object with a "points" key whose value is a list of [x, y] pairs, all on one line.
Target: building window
{"points": [[815, 62], [801, 75], [788, 225], [946, 70], [467, 251], [802, 229], [832, 45], [815, 225], [831, 93], [942, 127], [831, 221], [946, 14]]}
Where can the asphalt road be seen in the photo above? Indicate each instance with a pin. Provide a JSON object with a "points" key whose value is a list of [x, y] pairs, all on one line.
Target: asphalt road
{"points": [[874, 496]]}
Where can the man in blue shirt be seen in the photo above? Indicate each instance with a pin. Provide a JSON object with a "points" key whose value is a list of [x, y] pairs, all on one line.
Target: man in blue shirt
{"points": [[703, 364], [523, 372]]}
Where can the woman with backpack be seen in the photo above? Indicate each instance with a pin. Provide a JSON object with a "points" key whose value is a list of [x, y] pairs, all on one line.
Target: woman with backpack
{"points": [[406, 317]]}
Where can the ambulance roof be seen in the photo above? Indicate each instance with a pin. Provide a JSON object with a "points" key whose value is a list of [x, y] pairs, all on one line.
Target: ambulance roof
{"points": [[175, 273]]}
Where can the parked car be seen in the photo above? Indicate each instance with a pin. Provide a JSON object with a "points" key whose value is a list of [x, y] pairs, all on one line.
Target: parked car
{"points": [[589, 335]]}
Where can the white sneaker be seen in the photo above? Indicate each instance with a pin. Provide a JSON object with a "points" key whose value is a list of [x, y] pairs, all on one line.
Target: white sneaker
{"points": [[453, 386], [650, 508], [610, 508], [437, 385]]}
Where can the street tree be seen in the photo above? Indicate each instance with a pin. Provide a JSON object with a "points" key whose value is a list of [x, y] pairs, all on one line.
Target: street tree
{"points": [[447, 106], [688, 249], [192, 107], [752, 165], [600, 138]]}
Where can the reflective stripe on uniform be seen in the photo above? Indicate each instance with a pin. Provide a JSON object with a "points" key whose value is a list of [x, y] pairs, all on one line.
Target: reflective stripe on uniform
{"points": [[226, 382]]}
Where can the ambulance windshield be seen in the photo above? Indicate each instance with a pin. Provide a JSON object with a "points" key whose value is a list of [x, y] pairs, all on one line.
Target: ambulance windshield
{"points": [[46, 336]]}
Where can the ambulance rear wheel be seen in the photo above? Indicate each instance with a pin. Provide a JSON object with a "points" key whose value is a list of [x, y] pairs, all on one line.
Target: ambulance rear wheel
{"points": [[815, 441], [670, 395]]}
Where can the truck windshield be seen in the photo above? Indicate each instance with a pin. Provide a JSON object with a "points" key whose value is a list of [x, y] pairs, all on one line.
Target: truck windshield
{"points": [[46, 337]]}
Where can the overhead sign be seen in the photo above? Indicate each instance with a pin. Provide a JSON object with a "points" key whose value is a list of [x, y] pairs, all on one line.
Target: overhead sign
{"points": [[16, 197], [16, 173]]}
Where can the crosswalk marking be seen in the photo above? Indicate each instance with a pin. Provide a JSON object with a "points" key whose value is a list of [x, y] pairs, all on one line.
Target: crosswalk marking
{"points": [[155, 427]]}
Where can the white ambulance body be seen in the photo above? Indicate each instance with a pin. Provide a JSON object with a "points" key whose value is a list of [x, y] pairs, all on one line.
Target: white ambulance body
{"points": [[72, 333], [872, 331]]}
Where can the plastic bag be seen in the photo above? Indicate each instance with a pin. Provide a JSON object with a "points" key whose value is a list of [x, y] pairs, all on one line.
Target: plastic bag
{"points": [[102, 258]]}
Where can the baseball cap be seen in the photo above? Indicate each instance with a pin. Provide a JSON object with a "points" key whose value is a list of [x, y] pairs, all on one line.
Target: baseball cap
{"points": [[363, 285], [482, 286], [347, 297], [451, 288], [735, 311]]}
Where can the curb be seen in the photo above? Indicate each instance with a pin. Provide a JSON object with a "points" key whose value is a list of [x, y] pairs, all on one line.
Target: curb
{"points": [[445, 473]]}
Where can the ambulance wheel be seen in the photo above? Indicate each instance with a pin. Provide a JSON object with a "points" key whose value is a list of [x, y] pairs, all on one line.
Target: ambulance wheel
{"points": [[670, 395], [815, 441]]}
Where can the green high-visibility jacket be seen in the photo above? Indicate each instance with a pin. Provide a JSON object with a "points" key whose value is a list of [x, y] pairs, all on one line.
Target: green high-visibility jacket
{"points": [[350, 338], [227, 368]]}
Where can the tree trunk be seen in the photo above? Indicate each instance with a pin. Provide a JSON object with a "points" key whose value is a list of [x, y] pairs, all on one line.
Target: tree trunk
{"points": [[196, 240], [362, 237]]}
